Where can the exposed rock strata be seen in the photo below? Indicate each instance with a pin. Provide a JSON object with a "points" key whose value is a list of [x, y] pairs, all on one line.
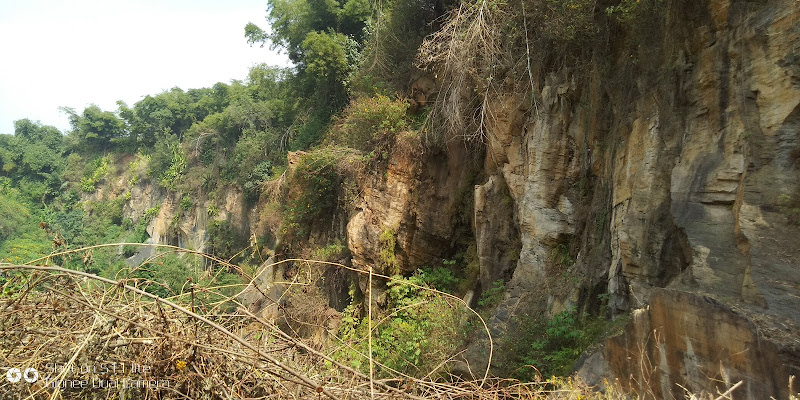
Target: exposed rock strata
{"points": [[681, 172]]}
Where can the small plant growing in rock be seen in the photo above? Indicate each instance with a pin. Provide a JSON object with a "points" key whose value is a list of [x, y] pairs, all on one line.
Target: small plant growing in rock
{"points": [[186, 203], [152, 212], [492, 296], [388, 260]]}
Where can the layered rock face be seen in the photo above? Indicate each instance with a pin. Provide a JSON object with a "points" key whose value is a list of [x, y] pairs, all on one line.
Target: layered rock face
{"points": [[411, 211], [694, 181], [675, 181], [683, 340], [173, 224]]}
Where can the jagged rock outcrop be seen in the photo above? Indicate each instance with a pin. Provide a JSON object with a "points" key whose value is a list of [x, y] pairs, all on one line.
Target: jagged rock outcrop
{"points": [[660, 184], [684, 340], [694, 169], [671, 179], [174, 224], [413, 208]]}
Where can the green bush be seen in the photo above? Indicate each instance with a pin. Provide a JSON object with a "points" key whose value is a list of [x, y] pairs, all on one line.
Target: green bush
{"points": [[137, 167], [97, 170], [186, 203], [332, 252], [110, 210], [13, 216], [493, 295], [151, 213], [370, 124], [388, 261], [167, 161], [393, 37], [313, 187], [552, 345], [224, 242], [440, 278], [420, 330], [560, 255], [175, 170], [167, 275]]}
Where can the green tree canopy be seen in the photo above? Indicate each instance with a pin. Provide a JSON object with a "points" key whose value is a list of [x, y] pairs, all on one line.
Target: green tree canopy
{"points": [[95, 129], [32, 159]]}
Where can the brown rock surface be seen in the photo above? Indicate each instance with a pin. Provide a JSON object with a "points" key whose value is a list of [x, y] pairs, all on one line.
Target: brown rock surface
{"points": [[695, 163], [416, 201], [686, 342]]}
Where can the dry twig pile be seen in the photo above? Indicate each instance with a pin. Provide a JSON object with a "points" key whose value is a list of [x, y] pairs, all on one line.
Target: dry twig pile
{"points": [[90, 337]]}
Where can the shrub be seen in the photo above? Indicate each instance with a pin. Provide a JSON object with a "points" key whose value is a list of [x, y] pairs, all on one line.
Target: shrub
{"points": [[151, 213], [393, 37], [73, 172], [492, 296], [175, 170], [167, 161], [313, 193], [13, 216], [168, 275], [440, 278], [370, 124], [560, 255], [186, 203], [419, 332], [95, 173], [224, 241], [332, 252], [552, 345], [110, 210], [261, 173], [137, 168]]}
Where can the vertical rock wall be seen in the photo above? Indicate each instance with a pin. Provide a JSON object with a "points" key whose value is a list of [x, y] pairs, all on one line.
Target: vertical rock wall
{"points": [[673, 179]]}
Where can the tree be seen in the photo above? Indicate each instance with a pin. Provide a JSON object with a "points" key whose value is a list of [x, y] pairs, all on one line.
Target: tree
{"points": [[95, 129], [32, 159], [13, 217], [323, 38]]}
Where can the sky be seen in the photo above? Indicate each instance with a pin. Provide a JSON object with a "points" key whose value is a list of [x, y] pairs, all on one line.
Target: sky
{"points": [[74, 53]]}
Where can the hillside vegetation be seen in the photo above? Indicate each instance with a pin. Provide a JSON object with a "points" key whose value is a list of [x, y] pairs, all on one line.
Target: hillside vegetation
{"points": [[317, 230]]}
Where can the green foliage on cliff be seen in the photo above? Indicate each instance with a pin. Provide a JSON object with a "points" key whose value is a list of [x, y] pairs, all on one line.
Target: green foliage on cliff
{"points": [[313, 193], [225, 241], [370, 124], [95, 172], [551, 346], [388, 262]]}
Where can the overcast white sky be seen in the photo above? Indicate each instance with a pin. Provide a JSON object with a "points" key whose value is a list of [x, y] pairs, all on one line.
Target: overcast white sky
{"points": [[74, 53]]}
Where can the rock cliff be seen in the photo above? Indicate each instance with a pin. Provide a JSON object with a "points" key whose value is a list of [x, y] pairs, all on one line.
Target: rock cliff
{"points": [[657, 185], [676, 178]]}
